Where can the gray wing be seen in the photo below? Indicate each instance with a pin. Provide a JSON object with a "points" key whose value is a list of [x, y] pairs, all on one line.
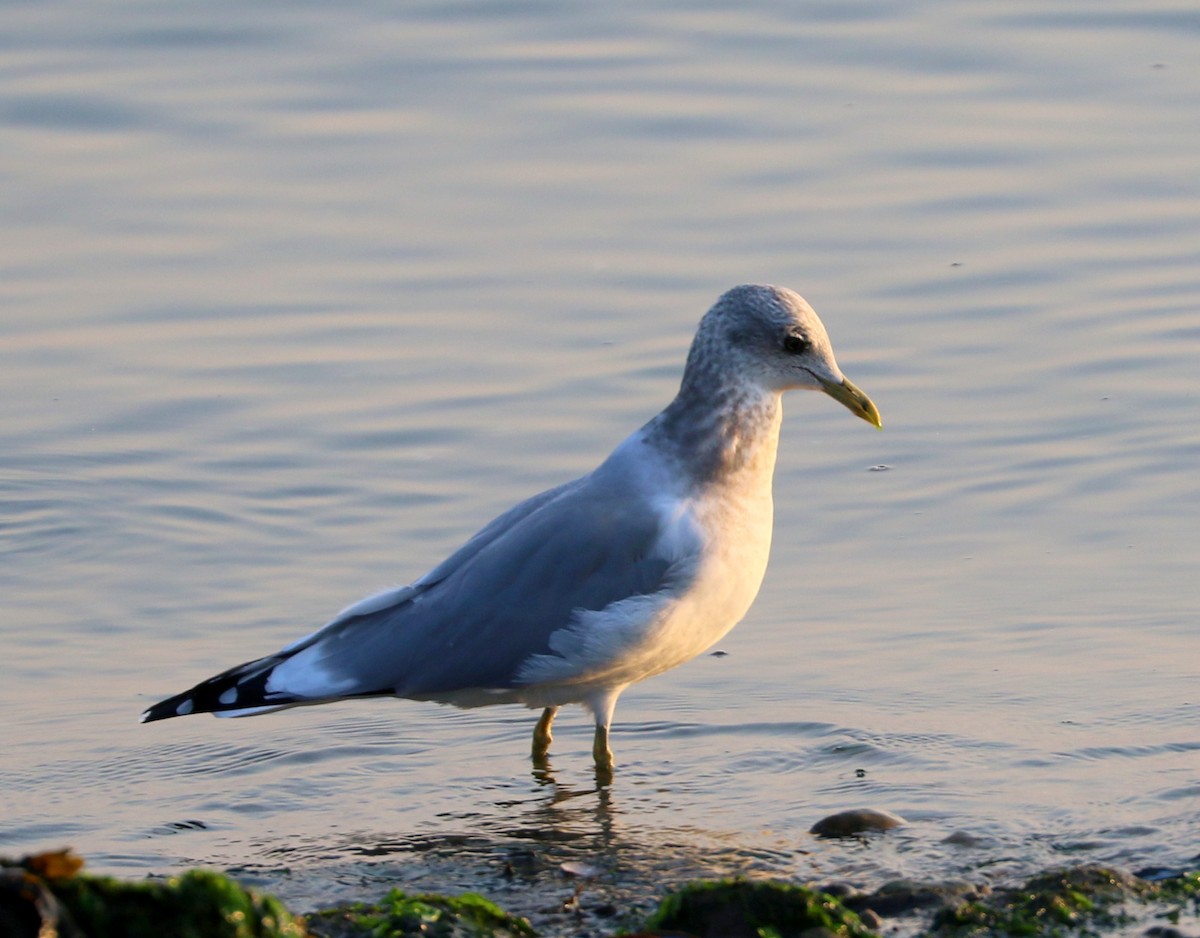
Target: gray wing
{"points": [[472, 621]]}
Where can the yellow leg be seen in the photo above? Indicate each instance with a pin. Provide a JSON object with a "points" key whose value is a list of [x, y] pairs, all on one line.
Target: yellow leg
{"points": [[541, 733], [600, 752]]}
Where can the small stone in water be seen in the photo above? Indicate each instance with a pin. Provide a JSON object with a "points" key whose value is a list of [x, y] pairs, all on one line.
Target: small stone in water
{"points": [[580, 869], [855, 821], [840, 890]]}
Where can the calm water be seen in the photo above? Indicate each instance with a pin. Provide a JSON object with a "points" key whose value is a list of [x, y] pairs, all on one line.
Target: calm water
{"points": [[295, 297]]}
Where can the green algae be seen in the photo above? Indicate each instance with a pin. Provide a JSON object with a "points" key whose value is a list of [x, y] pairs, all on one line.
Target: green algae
{"points": [[1086, 900], [1080, 902], [742, 908], [399, 915], [1178, 896], [198, 904]]}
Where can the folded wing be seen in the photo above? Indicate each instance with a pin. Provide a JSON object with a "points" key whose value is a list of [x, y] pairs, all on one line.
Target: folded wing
{"points": [[472, 622]]}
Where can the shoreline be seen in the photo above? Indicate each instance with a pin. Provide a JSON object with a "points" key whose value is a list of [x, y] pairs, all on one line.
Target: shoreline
{"points": [[573, 900]]}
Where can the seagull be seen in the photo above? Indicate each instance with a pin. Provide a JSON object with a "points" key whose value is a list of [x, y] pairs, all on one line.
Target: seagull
{"points": [[574, 594]]}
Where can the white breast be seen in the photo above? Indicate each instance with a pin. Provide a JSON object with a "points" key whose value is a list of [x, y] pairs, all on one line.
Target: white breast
{"points": [[736, 530], [721, 548]]}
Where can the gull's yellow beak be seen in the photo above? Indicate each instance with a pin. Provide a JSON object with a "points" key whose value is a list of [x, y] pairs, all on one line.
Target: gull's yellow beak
{"points": [[858, 403]]}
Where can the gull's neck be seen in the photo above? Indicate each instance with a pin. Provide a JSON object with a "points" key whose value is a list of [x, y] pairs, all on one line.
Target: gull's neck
{"points": [[718, 431]]}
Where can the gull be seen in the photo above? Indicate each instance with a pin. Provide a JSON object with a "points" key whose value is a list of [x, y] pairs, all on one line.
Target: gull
{"points": [[575, 594]]}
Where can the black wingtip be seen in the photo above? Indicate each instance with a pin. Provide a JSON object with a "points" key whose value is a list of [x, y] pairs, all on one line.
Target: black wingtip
{"points": [[177, 706], [236, 689], [241, 691]]}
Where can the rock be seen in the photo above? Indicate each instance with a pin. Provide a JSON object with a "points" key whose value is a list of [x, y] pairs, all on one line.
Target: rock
{"points": [[580, 869], [840, 890], [199, 902], [741, 908], [48, 893], [1081, 897], [399, 915], [854, 822], [965, 839], [901, 896], [28, 908]]}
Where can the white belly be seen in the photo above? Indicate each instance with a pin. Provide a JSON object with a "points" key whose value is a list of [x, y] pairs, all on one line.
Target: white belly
{"points": [[728, 576]]}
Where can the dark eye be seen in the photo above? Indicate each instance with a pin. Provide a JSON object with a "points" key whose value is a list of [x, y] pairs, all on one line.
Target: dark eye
{"points": [[796, 344]]}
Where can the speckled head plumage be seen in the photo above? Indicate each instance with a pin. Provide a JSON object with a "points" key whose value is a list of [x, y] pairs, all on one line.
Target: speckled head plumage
{"points": [[756, 342], [767, 337]]}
